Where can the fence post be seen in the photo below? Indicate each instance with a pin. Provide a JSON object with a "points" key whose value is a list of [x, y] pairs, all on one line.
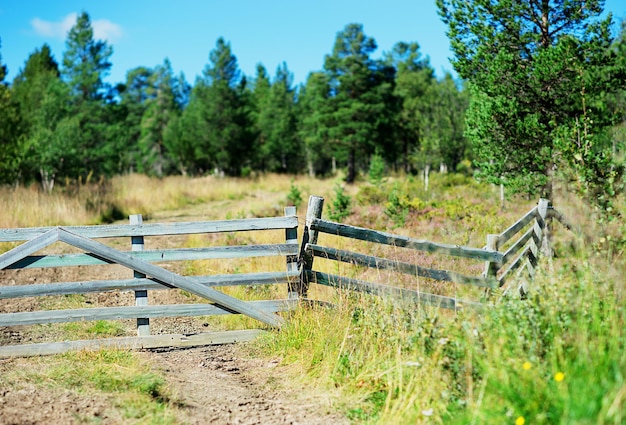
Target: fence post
{"points": [[291, 237], [491, 268], [542, 220], [141, 296], [314, 210]]}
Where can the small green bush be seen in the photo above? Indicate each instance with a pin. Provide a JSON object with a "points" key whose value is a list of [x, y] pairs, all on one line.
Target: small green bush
{"points": [[376, 170], [341, 207], [294, 197]]}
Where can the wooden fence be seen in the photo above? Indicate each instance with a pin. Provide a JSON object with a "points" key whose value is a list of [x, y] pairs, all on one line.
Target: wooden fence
{"points": [[499, 265], [147, 276], [516, 249]]}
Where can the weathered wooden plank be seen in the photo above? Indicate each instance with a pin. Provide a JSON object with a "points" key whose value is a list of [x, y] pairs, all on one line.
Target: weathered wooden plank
{"points": [[291, 237], [379, 289], [552, 213], [491, 268], [518, 245], [521, 258], [399, 266], [169, 277], [28, 248], [141, 296], [505, 236], [309, 235], [545, 238], [157, 256], [131, 343], [156, 229], [84, 287], [132, 312], [403, 241]]}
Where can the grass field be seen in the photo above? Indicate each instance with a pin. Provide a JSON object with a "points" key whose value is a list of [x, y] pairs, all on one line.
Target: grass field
{"points": [[554, 358]]}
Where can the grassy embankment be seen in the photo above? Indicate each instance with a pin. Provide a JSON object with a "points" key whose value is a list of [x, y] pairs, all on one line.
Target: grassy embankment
{"points": [[556, 357]]}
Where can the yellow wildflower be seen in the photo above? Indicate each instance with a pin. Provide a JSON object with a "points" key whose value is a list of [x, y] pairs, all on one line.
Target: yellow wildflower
{"points": [[559, 376], [520, 420], [527, 365]]}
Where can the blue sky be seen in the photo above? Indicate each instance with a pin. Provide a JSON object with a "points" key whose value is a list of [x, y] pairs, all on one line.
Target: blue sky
{"points": [[144, 33]]}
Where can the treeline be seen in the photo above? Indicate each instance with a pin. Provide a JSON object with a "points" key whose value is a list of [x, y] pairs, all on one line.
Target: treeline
{"points": [[61, 121]]}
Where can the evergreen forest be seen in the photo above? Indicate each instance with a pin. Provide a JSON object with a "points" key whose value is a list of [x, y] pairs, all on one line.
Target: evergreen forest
{"points": [[541, 88]]}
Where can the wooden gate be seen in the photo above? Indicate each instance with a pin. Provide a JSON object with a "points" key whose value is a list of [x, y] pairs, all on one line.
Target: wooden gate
{"points": [[147, 276]]}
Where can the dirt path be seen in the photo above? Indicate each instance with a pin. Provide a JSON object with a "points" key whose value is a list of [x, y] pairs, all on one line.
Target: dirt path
{"points": [[220, 385]]}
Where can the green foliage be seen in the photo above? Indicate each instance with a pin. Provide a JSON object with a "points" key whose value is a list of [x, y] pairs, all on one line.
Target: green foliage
{"points": [[64, 124], [377, 169], [341, 207], [9, 132], [371, 195], [295, 195], [556, 71], [160, 107], [314, 107], [553, 358], [429, 125], [397, 206], [220, 138], [278, 147], [358, 108]]}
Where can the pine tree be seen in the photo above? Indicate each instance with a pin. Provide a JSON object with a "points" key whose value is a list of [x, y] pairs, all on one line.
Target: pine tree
{"points": [[49, 132], [85, 64], [161, 106], [360, 94], [280, 148], [537, 71], [414, 80], [9, 128], [314, 110], [227, 144], [260, 102]]}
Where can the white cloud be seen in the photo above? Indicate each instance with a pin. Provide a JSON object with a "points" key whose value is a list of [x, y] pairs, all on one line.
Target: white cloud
{"points": [[54, 29], [103, 29]]}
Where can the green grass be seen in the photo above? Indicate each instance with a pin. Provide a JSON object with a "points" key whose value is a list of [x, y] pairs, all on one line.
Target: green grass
{"points": [[556, 357], [406, 364], [137, 392]]}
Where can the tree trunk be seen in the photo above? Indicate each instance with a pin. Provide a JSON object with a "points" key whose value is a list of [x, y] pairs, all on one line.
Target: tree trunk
{"points": [[47, 180], [548, 187], [405, 157], [351, 167]]}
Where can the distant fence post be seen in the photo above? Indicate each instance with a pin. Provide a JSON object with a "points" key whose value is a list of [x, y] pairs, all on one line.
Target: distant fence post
{"points": [[314, 210], [542, 220], [141, 296], [291, 237], [491, 268]]}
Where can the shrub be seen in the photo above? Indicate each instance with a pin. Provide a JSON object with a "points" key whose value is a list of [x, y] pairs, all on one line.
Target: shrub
{"points": [[341, 207], [294, 196], [377, 169]]}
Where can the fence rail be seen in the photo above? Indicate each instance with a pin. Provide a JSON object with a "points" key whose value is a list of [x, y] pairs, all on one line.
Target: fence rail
{"points": [[499, 265], [516, 249], [147, 274]]}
